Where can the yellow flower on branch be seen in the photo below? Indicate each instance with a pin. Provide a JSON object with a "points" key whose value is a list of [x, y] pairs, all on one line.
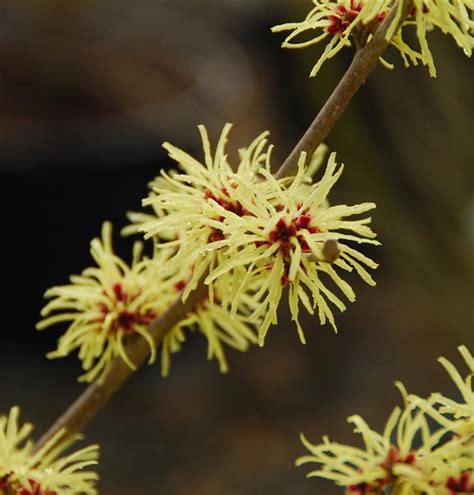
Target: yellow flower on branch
{"points": [[257, 235], [106, 305], [24, 471], [112, 302], [335, 20], [464, 409], [182, 195], [407, 456], [345, 22], [458, 416], [452, 17], [292, 239], [218, 327]]}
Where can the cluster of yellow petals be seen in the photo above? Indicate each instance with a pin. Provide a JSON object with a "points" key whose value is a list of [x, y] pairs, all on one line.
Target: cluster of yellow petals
{"points": [[104, 305], [45, 471], [408, 455], [254, 238], [344, 22], [112, 302], [254, 235]]}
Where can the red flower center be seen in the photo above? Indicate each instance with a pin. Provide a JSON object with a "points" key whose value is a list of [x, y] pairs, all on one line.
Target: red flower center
{"points": [[14, 488], [343, 17], [227, 204], [462, 484], [283, 233], [126, 320], [377, 486]]}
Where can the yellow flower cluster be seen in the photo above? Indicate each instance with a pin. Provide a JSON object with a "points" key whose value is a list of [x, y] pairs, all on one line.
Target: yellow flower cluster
{"points": [[457, 416], [24, 471], [180, 198], [105, 304], [110, 303], [219, 328], [347, 21], [407, 456], [254, 235]]}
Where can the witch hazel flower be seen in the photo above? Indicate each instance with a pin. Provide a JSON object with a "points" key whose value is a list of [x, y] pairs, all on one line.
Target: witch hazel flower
{"points": [[183, 195], [344, 22], [25, 470], [208, 318], [368, 470], [105, 306], [333, 20], [455, 18], [113, 302], [464, 409], [256, 235], [291, 239], [458, 416], [407, 458], [215, 323]]}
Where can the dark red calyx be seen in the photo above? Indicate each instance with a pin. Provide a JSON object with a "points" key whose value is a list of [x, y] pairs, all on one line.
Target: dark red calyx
{"points": [[461, 484], [120, 294]]}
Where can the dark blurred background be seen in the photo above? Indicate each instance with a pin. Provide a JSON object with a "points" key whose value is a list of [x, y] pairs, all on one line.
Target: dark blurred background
{"points": [[89, 90]]}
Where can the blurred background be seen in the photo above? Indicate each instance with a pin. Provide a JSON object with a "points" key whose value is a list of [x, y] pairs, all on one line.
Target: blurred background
{"points": [[89, 90]]}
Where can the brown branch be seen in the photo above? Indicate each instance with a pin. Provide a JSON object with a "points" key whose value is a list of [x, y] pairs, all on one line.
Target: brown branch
{"points": [[364, 62], [96, 395]]}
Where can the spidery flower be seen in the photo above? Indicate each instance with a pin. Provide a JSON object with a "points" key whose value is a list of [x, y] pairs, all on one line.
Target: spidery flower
{"points": [[458, 416], [257, 235], [208, 318], [343, 22], [452, 17], [105, 305], [292, 239], [335, 21], [24, 471], [407, 456], [140, 218], [182, 195], [218, 327]]}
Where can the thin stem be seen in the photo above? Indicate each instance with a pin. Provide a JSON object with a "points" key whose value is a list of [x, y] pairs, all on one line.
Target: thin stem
{"points": [[364, 62], [96, 395]]}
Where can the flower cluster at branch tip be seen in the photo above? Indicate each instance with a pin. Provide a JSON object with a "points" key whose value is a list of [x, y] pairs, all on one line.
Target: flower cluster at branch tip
{"points": [[24, 471], [254, 235], [347, 21], [407, 456]]}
